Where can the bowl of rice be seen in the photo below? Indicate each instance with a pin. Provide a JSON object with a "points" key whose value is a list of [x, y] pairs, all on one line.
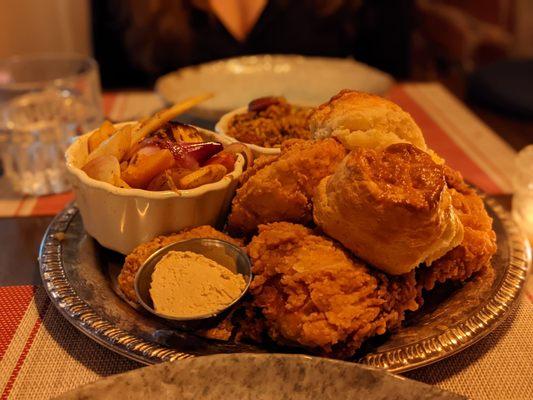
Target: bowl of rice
{"points": [[265, 123]]}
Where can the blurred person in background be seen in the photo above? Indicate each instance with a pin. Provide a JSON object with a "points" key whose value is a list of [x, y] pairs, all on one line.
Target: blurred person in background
{"points": [[480, 49], [136, 41]]}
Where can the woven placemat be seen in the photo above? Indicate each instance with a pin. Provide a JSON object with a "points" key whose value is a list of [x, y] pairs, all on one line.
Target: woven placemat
{"points": [[46, 356], [500, 366]]}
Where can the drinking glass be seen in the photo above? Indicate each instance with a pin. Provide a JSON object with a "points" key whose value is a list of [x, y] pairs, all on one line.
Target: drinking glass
{"points": [[523, 191], [45, 101]]}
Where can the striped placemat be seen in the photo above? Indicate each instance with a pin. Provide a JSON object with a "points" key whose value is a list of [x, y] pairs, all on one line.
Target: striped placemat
{"points": [[42, 355], [459, 136], [450, 129]]}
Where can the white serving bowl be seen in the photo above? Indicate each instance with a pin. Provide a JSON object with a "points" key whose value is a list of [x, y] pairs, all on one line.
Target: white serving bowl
{"points": [[121, 219], [221, 128]]}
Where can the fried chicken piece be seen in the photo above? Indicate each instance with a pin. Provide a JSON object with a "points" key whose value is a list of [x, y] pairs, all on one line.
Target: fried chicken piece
{"points": [[283, 188], [139, 255], [259, 163], [312, 293], [479, 242]]}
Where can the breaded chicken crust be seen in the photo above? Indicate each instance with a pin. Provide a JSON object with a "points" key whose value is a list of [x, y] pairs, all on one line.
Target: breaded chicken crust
{"points": [[312, 293], [479, 242], [259, 163], [283, 188], [139, 255]]}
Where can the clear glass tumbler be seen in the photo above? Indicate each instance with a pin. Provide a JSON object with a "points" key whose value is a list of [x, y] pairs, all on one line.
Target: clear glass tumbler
{"points": [[45, 101]]}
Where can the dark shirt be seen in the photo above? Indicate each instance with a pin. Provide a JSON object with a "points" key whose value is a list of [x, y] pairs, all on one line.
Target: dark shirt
{"points": [[134, 47]]}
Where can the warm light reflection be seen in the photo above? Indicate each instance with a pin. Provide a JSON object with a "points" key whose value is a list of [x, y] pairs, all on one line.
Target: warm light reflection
{"points": [[143, 210], [123, 221]]}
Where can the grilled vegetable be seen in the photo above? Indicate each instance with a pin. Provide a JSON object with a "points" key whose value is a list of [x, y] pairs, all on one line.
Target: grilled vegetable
{"points": [[117, 145], [202, 176], [105, 168], [224, 158], [201, 151], [145, 165], [100, 135], [184, 133]]}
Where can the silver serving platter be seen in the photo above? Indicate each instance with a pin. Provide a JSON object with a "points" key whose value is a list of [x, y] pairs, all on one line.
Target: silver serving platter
{"points": [[80, 278]]}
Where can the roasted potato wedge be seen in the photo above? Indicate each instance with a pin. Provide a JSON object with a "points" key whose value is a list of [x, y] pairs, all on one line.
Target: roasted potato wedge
{"points": [[224, 158], [145, 166], [167, 179], [202, 176], [100, 135], [105, 168], [116, 145], [177, 173], [163, 181]]}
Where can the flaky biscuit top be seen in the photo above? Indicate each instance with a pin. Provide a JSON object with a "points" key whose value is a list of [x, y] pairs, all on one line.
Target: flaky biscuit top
{"points": [[365, 120], [402, 175], [390, 207]]}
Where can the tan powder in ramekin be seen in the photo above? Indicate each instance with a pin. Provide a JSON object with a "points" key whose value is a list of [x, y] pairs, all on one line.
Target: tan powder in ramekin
{"points": [[186, 284]]}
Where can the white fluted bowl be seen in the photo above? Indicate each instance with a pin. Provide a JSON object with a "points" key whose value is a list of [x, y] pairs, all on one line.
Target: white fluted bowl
{"points": [[121, 219]]}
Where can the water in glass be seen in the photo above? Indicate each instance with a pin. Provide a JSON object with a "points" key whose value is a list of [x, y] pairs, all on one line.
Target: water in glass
{"points": [[45, 101], [38, 128]]}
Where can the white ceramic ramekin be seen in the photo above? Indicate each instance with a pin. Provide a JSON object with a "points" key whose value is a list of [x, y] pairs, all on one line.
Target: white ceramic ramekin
{"points": [[221, 128], [120, 219]]}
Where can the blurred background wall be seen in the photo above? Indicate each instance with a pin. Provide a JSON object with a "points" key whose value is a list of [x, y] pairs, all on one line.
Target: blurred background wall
{"points": [[524, 28], [411, 39], [29, 26], [471, 33]]}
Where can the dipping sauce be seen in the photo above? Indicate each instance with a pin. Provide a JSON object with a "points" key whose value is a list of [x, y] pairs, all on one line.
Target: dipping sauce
{"points": [[186, 284]]}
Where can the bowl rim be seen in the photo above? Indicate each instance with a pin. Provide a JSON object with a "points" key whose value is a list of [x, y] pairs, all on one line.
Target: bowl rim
{"points": [[222, 125], [164, 194], [166, 249]]}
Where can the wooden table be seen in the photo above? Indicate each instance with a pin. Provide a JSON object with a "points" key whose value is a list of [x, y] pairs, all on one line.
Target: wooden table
{"points": [[19, 248]]}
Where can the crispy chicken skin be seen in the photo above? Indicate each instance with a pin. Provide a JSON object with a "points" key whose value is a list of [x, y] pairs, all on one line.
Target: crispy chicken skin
{"points": [[259, 163], [312, 293], [478, 244], [135, 259], [283, 188]]}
